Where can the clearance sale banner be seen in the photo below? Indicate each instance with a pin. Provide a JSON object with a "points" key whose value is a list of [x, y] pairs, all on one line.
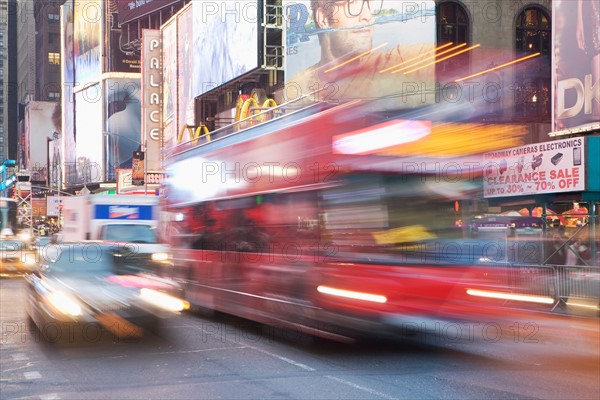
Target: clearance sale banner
{"points": [[549, 167]]}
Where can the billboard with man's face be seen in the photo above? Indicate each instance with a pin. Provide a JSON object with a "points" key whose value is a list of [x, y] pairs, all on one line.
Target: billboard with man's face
{"points": [[344, 50], [576, 74]]}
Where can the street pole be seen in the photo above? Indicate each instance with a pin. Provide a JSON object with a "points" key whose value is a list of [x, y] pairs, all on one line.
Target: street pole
{"points": [[145, 171]]}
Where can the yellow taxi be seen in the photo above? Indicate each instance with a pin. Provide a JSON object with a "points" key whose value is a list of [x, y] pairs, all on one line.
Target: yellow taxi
{"points": [[17, 257]]}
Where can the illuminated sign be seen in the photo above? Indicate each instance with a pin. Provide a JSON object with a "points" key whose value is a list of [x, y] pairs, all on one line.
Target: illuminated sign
{"points": [[123, 211], [152, 102], [549, 167]]}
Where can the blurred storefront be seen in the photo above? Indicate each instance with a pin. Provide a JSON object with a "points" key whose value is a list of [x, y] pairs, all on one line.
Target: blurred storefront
{"points": [[556, 183]]}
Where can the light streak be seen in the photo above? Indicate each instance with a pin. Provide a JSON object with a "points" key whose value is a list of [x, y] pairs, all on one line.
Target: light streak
{"points": [[351, 294], [419, 56], [355, 58], [499, 66], [441, 59], [510, 296]]}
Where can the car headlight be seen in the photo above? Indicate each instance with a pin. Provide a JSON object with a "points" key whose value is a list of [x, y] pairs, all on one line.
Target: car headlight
{"points": [[64, 303], [163, 300], [30, 259], [160, 256]]}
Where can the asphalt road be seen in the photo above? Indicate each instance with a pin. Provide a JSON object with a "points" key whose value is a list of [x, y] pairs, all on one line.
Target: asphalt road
{"points": [[220, 357]]}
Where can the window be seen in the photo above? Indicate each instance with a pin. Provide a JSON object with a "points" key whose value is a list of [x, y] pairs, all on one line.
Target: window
{"points": [[532, 88], [53, 95], [452, 27], [53, 18], [54, 58], [533, 31], [452, 23]]}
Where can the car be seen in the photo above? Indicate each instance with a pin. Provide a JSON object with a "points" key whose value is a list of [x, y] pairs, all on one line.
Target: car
{"points": [[47, 248], [41, 241], [17, 257], [87, 292]]}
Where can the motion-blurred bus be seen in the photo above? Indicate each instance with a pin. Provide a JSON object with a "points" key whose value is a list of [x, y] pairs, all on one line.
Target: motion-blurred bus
{"points": [[332, 220]]}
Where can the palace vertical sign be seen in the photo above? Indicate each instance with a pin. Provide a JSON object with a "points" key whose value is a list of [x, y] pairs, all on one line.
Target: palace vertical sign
{"points": [[152, 97]]}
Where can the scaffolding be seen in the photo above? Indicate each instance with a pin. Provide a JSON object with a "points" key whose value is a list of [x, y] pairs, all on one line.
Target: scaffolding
{"points": [[23, 192]]}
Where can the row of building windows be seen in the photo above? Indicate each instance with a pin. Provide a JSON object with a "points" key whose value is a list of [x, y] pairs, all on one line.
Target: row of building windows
{"points": [[532, 34]]}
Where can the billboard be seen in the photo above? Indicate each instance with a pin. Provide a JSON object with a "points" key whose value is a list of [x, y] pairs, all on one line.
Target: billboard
{"points": [[87, 33], [117, 58], [89, 141], [133, 9], [169, 43], [39, 127], [339, 51], [123, 116], [68, 105], [576, 72], [53, 206], [185, 96], [549, 167], [225, 41], [152, 105]]}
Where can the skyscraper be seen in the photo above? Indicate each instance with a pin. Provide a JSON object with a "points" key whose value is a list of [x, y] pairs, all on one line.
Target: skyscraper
{"points": [[8, 81]]}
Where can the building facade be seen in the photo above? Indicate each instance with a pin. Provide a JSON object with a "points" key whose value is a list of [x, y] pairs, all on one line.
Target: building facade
{"points": [[47, 46], [8, 80], [26, 45]]}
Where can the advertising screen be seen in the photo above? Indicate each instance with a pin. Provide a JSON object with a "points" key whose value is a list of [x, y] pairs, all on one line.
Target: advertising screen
{"points": [[169, 40], [185, 30], [118, 59], [87, 33], [122, 107], [89, 143], [39, 126], [344, 50], [576, 74], [68, 105], [225, 41], [133, 9]]}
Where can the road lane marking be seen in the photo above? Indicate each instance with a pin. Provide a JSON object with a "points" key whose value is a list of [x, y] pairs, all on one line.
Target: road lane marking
{"points": [[50, 396], [359, 387], [285, 359], [32, 375], [20, 357], [198, 350]]}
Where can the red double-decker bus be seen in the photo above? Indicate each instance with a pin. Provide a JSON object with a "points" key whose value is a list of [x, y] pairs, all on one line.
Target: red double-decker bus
{"points": [[334, 220]]}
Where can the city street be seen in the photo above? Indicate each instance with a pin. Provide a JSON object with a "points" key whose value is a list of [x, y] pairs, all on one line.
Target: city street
{"points": [[210, 357]]}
